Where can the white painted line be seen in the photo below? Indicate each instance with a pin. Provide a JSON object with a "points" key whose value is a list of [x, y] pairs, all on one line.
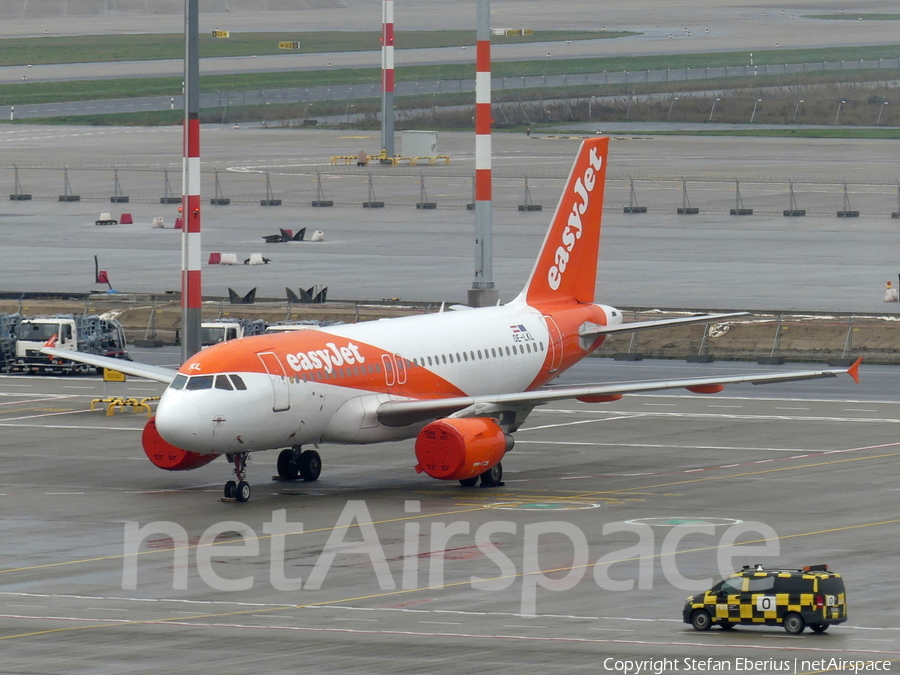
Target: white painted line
{"points": [[341, 618], [68, 426], [520, 625]]}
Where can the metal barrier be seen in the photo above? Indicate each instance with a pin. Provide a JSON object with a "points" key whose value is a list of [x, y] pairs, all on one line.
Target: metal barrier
{"points": [[113, 402]]}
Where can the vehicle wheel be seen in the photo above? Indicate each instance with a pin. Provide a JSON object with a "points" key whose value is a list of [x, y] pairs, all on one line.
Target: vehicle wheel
{"points": [[287, 464], [794, 623], [243, 491], [310, 465], [700, 620], [230, 489], [469, 482], [493, 477], [818, 627], [726, 625]]}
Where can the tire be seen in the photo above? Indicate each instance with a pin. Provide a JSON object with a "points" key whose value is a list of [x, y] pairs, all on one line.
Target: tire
{"points": [[726, 625], [469, 482], [493, 477], [793, 623], [230, 489], [287, 464], [700, 620], [818, 627], [310, 465], [243, 491]]}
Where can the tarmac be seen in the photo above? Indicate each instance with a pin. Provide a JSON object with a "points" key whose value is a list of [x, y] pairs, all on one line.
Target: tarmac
{"points": [[76, 598], [711, 260]]}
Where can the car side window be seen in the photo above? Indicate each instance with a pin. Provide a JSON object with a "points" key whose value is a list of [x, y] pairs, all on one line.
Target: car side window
{"points": [[761, 584]]}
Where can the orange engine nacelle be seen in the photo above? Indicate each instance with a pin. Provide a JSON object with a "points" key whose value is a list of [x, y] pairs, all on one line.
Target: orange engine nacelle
{"points": [[706, 388], [601, 398], [456, 449], [167, 456]]}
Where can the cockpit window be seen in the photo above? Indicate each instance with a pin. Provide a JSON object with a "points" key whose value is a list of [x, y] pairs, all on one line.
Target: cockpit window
{"points": [[200, 382], [238, 382], [222, 382], [178, 382]]}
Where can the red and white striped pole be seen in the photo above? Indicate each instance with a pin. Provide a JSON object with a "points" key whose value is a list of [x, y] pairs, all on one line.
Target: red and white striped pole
{"points": [[387, 77], [191, 293], [482, 292]]}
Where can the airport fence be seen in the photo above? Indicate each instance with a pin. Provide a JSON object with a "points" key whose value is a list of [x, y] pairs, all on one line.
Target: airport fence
{"points": [[447, 186]]}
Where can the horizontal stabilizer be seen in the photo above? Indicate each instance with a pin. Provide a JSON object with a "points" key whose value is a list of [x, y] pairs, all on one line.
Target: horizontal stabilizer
{"points": [[594, 330]]}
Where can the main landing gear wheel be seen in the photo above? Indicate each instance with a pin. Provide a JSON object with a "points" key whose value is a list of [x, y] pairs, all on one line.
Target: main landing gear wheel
{"points": [[288, 467], [238, 490], [469, 482], [493, 477], [309, 465]]}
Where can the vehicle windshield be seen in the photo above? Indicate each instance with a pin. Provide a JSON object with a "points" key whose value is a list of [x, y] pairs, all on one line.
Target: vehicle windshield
{"points": [[37, 331], [212, 336], [731, 585]]}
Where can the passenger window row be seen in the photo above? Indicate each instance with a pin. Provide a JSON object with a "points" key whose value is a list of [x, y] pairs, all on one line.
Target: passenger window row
{"points": [[322, 375], [479, 355]]}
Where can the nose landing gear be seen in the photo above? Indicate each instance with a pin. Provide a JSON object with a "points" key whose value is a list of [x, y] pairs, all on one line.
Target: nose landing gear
{"points": [[238, 490]]}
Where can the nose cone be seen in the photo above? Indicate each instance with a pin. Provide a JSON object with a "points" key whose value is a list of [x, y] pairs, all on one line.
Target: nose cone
{"points": [[179, 422]]}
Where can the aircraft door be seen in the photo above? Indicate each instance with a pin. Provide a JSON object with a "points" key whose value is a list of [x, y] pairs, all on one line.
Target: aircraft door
{"points": [[281, 386], [394, 372], [556, 344]]}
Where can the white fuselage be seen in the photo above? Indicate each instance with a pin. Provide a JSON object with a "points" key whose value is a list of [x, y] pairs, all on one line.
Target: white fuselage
{"points": [[457, 353]]}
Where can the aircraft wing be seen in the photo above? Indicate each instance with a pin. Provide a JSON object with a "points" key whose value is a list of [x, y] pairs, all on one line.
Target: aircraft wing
{"points": [[403, 412], [592, 330], [157, 373]]}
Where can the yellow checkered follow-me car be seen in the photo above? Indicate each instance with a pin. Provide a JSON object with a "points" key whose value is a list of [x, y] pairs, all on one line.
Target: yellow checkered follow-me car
{"points": [[794, 599]]}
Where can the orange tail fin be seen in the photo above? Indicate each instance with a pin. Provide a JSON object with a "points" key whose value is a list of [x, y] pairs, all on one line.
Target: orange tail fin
{"points": [[566, 268]]}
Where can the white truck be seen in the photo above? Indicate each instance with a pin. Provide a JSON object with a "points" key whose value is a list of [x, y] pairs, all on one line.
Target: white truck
{"points": [[223, 330], [73, 332]]}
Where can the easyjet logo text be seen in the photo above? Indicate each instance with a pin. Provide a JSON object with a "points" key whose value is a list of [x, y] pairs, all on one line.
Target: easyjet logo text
{"points": [[327, 359], [584, 186]]}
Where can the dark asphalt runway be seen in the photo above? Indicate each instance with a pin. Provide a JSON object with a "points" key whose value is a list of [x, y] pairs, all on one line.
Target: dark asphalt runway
{"points": [[815, 464]]}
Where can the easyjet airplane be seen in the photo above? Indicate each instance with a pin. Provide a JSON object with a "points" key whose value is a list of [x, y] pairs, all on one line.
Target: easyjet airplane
{"points": [[459, 382]]}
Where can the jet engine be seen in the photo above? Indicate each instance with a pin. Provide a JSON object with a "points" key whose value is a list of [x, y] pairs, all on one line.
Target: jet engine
{"points": [[167, 456], [457, 449]]}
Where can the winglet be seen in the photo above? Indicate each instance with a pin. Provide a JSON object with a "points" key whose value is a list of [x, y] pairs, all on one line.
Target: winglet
{"points": [[51, 342], [853, 371]]}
